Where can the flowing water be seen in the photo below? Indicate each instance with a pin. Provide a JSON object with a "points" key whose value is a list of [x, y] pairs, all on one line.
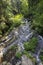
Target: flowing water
{"points": [[23, 34]]}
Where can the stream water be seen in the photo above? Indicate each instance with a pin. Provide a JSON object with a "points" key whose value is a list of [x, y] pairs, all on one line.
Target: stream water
{"points": [[23, 34]]}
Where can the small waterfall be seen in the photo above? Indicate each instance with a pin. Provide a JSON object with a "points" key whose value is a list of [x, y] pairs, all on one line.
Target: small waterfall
{"points": [[22, 34], [38, 49], [40, 45]]}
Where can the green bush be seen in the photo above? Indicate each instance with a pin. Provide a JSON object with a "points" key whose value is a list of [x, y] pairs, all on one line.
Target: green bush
{"points": [[24, 7], [18, 55], [17, 19], [31, 45], [14, 47]]}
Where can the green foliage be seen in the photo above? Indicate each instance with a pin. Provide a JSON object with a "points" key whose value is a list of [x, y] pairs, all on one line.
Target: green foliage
{"points": [[16, 6], [17, 19], [5, 24], [40, 7], [41, 56], [20, 6], [18, 55], [8, 20], [37, 11], [24, 7], [11, 12], [14, 47], [31, 45], [38, 24]]}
